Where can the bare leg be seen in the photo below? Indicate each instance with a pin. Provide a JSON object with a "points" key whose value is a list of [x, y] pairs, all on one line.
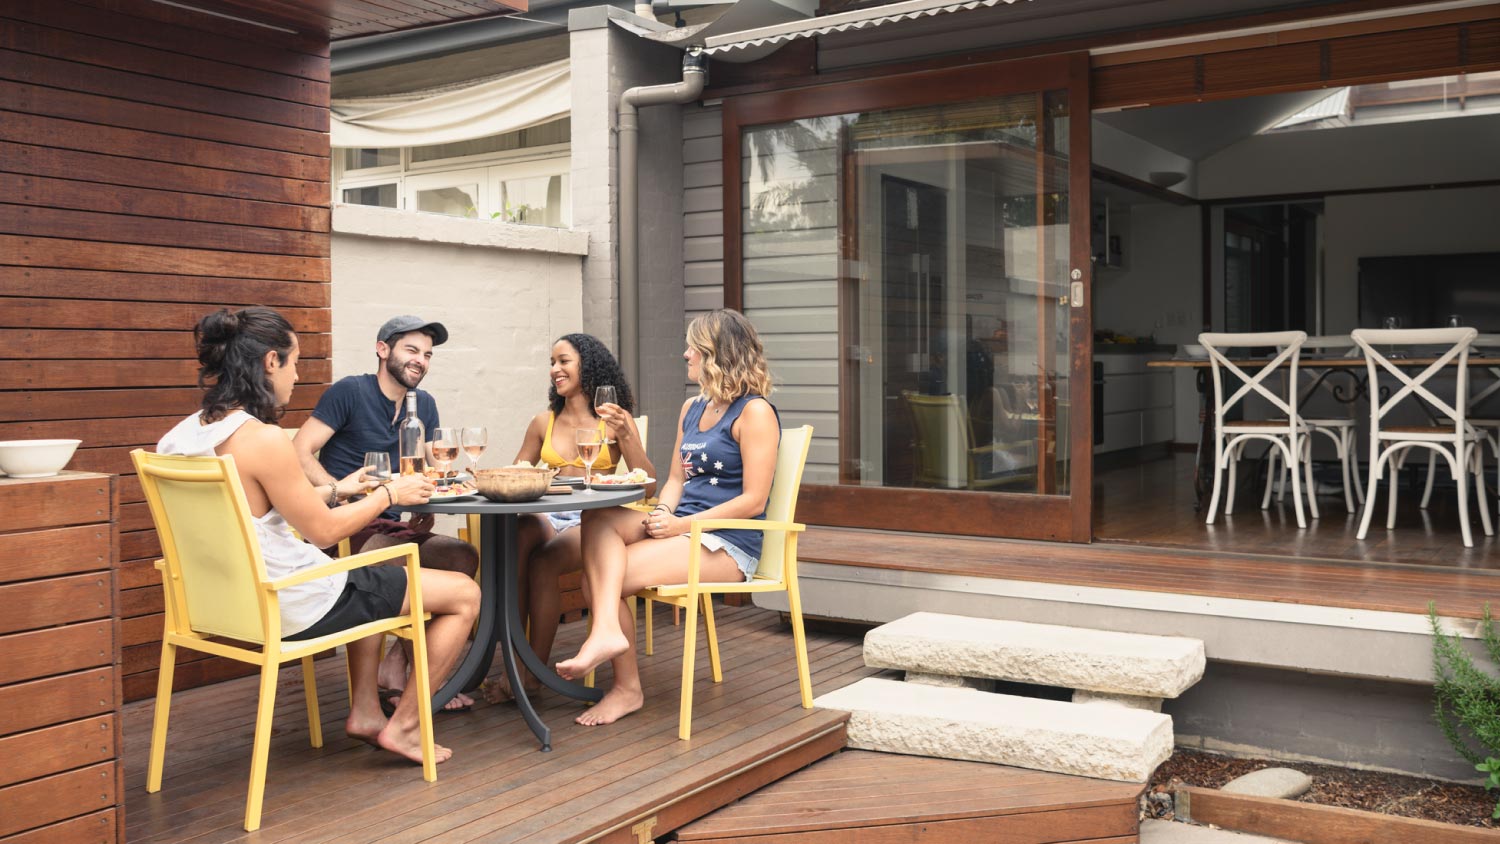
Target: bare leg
{"points": [[365, 718], [439, 553], [650, 562], [533, 534], [453, 600], [605, 536]]}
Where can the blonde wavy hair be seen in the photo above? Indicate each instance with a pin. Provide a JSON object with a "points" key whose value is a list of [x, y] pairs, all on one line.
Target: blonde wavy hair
{"points": [[734, 362]]}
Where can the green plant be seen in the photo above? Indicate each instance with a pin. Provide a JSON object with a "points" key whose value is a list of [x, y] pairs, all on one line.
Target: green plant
{"points": [[1491, 766], [1466, 700]]}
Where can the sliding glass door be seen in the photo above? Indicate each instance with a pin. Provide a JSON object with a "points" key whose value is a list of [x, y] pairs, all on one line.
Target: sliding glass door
{"points": [[918, 263]]}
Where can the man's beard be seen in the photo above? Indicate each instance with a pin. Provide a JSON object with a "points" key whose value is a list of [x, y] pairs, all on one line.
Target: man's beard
{"points": [[404, 378]]}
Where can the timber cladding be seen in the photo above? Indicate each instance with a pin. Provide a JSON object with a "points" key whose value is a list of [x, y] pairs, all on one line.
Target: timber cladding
{"points": [[156, 163], [59, 661]]}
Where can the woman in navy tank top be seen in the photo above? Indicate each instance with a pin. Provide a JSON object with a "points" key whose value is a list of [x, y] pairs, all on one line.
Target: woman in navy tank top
{"points": [[724, 460]]}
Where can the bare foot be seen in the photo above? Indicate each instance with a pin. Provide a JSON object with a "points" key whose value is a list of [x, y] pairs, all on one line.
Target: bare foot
{"points": [[459, 702], [597, 649], [408, 743], [364, 729], [498, 689], [392, 672], [617, 703]]}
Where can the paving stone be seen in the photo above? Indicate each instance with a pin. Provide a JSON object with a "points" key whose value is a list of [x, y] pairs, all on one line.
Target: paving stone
{"points": [[1044, 654], [1108, 742], [1284, 783], [948, 681], [1150, 704]]}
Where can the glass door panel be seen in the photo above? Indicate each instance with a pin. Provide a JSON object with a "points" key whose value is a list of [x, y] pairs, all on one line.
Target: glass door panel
{"points": [[912, 271]]}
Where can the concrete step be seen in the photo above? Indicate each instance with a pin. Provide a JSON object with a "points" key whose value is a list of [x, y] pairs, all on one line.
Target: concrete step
{"points": [[1067, 657], [1107, 742]]}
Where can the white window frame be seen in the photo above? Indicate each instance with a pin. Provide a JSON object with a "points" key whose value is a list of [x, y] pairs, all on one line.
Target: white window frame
{"points": [[494, 168]]}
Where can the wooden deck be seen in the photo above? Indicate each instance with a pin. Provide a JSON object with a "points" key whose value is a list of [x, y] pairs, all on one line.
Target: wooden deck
{"points": [[1148, 537], [879, 798], [596, 785]]}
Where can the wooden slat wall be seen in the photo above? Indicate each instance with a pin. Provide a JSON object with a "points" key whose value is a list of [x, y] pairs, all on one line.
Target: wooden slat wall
{"points": [[156, 163], [59, 675]]}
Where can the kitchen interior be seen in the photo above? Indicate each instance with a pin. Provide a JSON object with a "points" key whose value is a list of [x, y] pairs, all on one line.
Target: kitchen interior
{"points": [[1320, 210]]}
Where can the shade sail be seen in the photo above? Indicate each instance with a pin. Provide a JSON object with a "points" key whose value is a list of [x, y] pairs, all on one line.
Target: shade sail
{"points": [[506, 103]]}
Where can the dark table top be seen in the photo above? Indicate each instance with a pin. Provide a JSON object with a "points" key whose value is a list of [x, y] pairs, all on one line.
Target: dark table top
{"points": [[577, 500]]}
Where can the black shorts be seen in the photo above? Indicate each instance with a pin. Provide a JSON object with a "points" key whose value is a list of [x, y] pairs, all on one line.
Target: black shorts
{"points": [[371, 593]]}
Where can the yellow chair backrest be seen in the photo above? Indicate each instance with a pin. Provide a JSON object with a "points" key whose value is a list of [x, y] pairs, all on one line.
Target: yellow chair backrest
{"points": [[213, 563], [791, 459], [943, 438]]}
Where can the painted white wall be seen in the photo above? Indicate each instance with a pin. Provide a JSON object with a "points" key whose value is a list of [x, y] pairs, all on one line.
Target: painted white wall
{"points": [[503, 291], [1159, 292], [1433, 222], [1125, 153], [1460, 149]]}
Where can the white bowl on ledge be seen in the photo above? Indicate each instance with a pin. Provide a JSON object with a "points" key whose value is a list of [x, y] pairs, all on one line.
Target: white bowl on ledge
{"points": [[35, 458]]}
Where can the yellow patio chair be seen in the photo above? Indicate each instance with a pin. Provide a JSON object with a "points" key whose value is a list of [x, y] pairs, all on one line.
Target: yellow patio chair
{"points": [[947, 455], [215, 584], [777, 573]]}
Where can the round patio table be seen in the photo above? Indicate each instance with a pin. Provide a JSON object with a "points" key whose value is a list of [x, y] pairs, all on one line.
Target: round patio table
{"points": [[498, 567]]}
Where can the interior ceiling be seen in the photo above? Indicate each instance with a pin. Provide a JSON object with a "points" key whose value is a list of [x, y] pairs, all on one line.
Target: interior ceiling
{"points": [[1198, 130]]}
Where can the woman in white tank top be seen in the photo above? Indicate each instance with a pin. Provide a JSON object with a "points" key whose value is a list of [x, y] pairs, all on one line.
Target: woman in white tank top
{"points": [[248, 366]]}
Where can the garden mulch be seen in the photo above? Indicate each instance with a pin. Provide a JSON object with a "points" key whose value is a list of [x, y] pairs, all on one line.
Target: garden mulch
{"points": [[1372, 791]]}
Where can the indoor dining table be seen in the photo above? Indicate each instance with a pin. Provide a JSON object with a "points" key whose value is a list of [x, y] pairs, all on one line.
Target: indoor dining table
{"points": [[1354, 368], [500, 610]]}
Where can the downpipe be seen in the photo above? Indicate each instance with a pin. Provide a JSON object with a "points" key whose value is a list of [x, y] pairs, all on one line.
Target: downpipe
{"points": [[694, 74]]}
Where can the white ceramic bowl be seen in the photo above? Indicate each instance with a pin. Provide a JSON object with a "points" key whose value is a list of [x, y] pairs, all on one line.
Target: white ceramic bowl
{"points": [[35, 458], [1193, 350]]}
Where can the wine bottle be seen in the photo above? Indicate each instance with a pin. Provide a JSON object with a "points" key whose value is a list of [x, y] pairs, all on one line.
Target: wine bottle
{"points": [[412, 439]]}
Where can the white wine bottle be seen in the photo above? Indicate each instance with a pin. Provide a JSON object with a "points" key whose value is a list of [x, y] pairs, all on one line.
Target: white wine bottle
{"points": [[412, 439]]}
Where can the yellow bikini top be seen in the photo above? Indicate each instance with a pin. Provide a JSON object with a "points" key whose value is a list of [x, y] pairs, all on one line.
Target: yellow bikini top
{"points": [[604, 463]]}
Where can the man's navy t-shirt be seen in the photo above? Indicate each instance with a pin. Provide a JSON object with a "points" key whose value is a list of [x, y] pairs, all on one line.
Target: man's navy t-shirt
{"points": [[361, 418]]}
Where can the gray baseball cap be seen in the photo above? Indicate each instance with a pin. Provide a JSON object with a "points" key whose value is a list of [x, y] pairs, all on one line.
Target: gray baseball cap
{"points": [[398, 325]]}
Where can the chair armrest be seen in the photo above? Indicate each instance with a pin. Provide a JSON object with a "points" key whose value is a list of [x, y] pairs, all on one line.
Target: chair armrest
{"points": [[742, 524], [354, 561]]}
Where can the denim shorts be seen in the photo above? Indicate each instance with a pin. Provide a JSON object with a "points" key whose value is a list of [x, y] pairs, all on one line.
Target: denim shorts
{"points": [[564, 519], [747, 564]]}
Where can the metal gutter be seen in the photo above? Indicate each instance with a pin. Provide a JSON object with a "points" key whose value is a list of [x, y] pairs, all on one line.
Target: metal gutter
{"points": [[694, 74]]}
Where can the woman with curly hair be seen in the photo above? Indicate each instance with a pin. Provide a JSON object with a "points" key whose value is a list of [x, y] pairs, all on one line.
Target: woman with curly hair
{"points": [[546, 546], [727, 438]]}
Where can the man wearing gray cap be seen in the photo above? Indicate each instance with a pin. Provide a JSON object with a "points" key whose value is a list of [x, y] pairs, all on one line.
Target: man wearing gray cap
{"points": [[363, 413]]}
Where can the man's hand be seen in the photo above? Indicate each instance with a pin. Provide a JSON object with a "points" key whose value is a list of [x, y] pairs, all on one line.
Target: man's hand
{"points": [[422, 522]]}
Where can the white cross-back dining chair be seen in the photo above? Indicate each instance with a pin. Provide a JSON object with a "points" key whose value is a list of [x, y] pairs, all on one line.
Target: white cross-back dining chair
{"points": [[1284, 435], [1487, 426], [1451, 437], [1342, 431]]}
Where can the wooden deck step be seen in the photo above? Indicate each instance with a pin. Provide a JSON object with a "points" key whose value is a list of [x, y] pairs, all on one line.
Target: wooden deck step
{"points": [[882, 798]]}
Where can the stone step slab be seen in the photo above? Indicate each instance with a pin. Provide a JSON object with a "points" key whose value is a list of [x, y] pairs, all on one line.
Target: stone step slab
{"points": [[1045, 654], [1108, 742]]}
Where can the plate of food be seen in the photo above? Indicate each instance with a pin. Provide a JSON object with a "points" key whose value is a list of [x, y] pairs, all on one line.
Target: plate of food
{"points": [[453, 492], [634, 479]]}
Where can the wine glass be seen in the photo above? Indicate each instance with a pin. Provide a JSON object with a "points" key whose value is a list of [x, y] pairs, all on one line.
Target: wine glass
{"points": [[588, 442], [379, 466], [475, 440], [445, 445], [605, 395]]}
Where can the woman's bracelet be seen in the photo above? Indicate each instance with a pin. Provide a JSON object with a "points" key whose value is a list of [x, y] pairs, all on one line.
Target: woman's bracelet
{"points": [[389, 496], [333, 494]]}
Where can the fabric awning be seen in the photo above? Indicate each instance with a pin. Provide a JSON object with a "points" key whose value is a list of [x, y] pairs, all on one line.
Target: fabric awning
{"points": [[751, 44], [506, 103]]}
